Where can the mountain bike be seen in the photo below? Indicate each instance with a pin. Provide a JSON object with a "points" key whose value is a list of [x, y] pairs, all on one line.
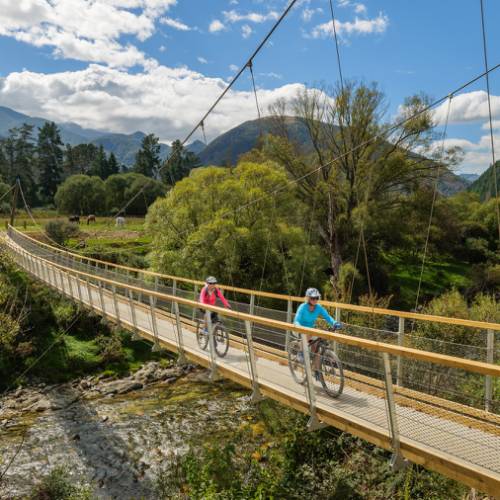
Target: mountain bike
{"points": [[221, 337], [331, 373]]}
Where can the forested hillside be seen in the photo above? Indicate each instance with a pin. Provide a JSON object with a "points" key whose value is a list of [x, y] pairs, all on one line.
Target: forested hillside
{"points": [[485, 185]]}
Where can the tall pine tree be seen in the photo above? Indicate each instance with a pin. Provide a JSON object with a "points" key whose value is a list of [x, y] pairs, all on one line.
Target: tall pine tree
{"points": [[179, 164], [113, 165], [17, 159], [147, 159], [50, 159], [99, 166]]}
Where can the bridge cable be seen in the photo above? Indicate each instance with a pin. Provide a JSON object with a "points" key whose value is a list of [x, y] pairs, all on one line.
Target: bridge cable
{"points": [[223, 93], [364, 143], [494, 166], [368, 141], [434, 197], [336, 44]]}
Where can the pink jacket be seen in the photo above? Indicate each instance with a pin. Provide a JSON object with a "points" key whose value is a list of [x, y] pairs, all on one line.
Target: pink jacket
{"points": [[211, 298]]}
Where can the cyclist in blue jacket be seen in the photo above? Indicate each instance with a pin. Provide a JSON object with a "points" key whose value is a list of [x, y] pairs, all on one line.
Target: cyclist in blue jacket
{"points": [[307, 315]]}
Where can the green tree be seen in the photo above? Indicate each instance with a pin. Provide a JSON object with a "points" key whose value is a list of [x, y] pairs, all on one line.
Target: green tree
{"points": [[99, 166], [199, 228], [352, 168], [147, 159], [179, 164], [113, 165], [79, 159], [50, 157], [17, 160], [123, 188], [81, 194]]}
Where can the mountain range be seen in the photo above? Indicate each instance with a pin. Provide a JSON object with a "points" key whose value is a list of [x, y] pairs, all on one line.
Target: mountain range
{"points": [[223, 150], [124, 146]]}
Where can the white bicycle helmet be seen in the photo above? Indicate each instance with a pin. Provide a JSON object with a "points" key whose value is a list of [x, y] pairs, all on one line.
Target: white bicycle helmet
{"points": [[313, 293], [211, 280]]}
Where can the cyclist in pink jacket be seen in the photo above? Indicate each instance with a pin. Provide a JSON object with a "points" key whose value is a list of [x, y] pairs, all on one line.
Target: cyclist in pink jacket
{"points": [[209, 295]]}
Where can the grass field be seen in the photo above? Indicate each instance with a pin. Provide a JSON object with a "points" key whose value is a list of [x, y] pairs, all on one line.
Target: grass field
{"points": [[438, 277]]}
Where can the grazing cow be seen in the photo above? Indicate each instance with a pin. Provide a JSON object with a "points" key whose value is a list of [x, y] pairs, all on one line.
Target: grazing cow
{"points": [[74, 218], [120, 221], [90, 218]]}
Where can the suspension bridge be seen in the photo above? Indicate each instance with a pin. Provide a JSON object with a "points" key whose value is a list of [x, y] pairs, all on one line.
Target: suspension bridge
{"points": [[414, 395]]}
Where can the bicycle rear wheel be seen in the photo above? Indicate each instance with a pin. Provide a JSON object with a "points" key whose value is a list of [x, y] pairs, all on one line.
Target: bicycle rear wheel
{"points": [[331, 374], [296, 361], [201, 335], [221, 340]]}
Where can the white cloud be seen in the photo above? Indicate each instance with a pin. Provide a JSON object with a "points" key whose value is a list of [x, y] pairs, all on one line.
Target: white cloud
{"points": [[216, 26], [232, 16], [162, 48], [175, 23], [272, 74], [360, 8], [246, 31], [307, 14], [468, 107], [357, 27], [165, 101], [84, 30], [202, 60], [233, 67]]}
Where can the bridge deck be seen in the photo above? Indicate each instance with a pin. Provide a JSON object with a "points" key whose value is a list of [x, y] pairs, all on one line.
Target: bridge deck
{"points": [[462, 452]]}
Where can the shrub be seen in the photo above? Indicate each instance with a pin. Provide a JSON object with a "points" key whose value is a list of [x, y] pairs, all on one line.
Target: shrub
{"points": [[58, 486], [111, 348], [61, 231]]}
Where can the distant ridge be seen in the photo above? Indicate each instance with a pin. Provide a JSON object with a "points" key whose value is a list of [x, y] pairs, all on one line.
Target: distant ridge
{"points": [[124, 146]]}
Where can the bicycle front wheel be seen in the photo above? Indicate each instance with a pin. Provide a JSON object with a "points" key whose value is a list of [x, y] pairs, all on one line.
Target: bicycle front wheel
{"points": [[296, 361], [331, 374], [221, 340], [201, 335]]}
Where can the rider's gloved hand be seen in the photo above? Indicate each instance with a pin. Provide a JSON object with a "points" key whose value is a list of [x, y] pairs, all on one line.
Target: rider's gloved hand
{"points": [[338, 325]]}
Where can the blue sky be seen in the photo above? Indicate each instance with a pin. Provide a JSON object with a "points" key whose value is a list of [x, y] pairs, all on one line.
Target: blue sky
{"points": [[156, 65]]}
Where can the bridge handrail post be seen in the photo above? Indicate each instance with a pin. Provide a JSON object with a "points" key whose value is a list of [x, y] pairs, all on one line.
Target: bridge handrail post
{"points": [[101, 297], [488, 385], [70, 285], [338, 317], [195, 298], [397, 460], [182, 356], [115, 303], [79, 288], [152, 307], [289, 316], [89, 293], [174, 292], [401, 341], [135, 335], [256, 395], [314, 422], [211, 343]]}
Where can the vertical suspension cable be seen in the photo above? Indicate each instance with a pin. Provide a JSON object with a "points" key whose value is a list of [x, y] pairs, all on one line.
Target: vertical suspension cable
{"points": [[493, 166], [336, 45], [202, 125], [434, 196], [250, 67]]}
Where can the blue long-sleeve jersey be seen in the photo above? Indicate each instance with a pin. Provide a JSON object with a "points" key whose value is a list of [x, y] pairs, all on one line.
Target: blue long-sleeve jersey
{"points": [[307, 318]]}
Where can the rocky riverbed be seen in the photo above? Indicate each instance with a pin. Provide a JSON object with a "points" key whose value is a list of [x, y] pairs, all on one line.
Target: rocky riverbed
{"points": [[114, 434]]}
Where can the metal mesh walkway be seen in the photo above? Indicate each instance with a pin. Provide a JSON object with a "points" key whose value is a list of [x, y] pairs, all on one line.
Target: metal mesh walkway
{"points": [[447, 435]]}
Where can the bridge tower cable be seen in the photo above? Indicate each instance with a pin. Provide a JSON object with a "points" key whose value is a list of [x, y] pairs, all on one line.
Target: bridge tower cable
{"points": [[493, 165], [433, 203], [220, 97]]}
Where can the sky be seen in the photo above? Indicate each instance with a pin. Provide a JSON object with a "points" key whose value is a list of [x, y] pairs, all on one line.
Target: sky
{"points": [[157, 65]]}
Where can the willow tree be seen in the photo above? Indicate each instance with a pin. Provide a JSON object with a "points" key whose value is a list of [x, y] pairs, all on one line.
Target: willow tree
{"points": [[354, 164], [223, 222]]}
